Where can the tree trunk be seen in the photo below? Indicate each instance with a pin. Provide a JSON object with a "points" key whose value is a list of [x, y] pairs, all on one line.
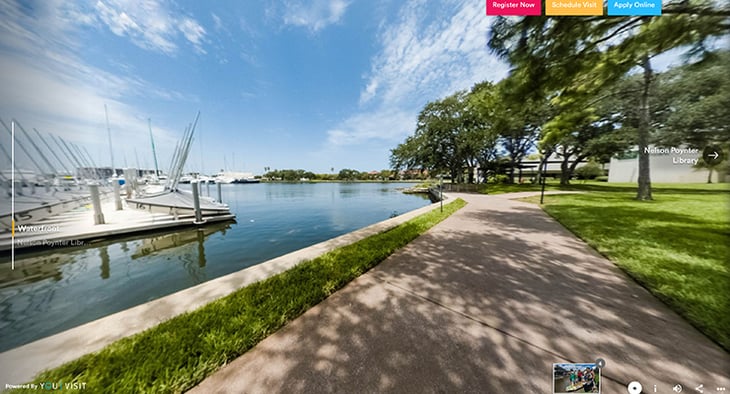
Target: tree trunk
{"points": [[564, 171], [709, 174], [579, 159], [543, 160], [511, 170], [471, 174], [644, 191]]}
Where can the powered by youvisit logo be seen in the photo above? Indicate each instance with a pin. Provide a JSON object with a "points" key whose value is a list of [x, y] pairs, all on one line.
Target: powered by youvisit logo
{"points": [[54, 386], [48, 386]]}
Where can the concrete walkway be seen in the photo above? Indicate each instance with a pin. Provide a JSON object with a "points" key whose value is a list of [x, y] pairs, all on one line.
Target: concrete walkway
{"points": [[484, 302]]}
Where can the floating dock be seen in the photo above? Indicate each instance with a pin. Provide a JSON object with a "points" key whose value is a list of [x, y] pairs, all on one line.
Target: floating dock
{"points": [[66, 212], [76, 227]]}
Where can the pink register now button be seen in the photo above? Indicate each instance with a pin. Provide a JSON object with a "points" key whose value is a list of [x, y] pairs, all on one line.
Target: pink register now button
{"points": [[514, 7]]}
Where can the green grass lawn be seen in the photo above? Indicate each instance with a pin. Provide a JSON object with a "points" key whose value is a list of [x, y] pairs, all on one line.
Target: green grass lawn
{"points": [[501, 188], [677, 246], [179, 353]]}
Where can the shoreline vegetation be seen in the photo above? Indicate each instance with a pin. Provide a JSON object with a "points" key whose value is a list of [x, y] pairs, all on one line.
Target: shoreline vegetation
{"points": [[675, 246], [346, 174], [264, 180], [179, 353]]}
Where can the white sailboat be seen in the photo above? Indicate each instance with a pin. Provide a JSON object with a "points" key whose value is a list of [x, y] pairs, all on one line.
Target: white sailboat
{"points": [[174, 201]]}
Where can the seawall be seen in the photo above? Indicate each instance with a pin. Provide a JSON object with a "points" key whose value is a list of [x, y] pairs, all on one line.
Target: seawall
{"points": [[21, 364]]}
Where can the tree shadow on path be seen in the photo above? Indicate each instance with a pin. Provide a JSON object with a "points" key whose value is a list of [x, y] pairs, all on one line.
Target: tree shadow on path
{"points": [[484, 302]]}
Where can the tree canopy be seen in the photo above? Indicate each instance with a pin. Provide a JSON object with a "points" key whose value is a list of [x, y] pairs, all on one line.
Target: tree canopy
{"points": [[583, 89], [574, 59]]}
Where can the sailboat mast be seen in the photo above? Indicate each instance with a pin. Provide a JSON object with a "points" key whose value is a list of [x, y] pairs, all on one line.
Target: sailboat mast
{"points": [[109, 133], [154, 154]]}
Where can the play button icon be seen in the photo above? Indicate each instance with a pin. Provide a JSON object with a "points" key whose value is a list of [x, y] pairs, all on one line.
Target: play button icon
{"points": [[713, 155], [634, 387]]}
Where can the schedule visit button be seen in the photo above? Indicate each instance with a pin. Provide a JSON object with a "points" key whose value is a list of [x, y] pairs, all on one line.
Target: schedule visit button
{"points": [[514, 7], [636, 7], [574, 7]]}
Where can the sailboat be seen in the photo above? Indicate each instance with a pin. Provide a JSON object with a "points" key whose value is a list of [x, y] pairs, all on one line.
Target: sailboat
{"points": [[174, 201], [29, 196]]}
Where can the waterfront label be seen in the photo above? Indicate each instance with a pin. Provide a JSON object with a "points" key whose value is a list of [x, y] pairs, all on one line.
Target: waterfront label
{"points": [[514, 7], [573, 7], [638, 7]]}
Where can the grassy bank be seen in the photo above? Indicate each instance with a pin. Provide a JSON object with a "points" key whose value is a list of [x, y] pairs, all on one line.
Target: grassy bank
{"points": [[179, 353], [676, 246]]}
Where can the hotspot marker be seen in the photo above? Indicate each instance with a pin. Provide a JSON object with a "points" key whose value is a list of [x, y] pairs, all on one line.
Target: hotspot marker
{"points": [[634, 387]]}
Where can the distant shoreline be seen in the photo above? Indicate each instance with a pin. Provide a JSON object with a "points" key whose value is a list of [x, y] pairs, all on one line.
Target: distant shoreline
{"points": [[341, 181]]}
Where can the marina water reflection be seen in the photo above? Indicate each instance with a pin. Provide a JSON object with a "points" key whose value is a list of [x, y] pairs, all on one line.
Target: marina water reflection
{"points": [[55, 290]]}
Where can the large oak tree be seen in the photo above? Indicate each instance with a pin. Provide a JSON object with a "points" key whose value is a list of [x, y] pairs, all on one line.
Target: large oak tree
{"points": [[576, 58]]}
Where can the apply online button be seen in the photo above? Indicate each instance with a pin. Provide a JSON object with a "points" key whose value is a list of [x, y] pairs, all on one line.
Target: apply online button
{"points": [[637, 7], [514, 7]]}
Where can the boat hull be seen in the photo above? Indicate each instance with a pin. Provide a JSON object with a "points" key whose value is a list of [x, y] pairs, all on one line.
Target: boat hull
{"points": [[178, 204]]}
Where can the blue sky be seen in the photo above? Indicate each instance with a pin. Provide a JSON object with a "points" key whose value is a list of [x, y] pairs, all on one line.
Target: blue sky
{"points": [[283, 84], [313, 84]]}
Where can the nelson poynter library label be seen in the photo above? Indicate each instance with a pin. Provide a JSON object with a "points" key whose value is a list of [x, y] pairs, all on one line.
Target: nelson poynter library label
{"points": [[514, 7], [573, 7], [637, 7]]}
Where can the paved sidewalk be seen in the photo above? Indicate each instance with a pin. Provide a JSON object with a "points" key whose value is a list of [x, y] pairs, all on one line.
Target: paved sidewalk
{"points": [[484, 302]]}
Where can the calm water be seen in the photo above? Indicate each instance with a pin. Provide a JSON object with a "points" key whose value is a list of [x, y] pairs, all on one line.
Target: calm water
{"points": [[54, 291]]}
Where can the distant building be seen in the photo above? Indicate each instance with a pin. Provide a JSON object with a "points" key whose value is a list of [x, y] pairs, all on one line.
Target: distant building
{"points": [[106, 172], [413, 174], [667, 165], [529, 168]]}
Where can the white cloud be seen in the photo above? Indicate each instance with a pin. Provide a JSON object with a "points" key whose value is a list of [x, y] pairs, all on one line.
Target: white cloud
{"points": [[194, 33], [73, 108], [47, 86], [427, 53], [369, 91], [314, 15], [217, 22], [150, 24], [372, 125]]}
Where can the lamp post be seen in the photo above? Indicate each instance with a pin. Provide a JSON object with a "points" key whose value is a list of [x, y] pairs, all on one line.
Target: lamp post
{"points": [[542, 179], [441, 191]]}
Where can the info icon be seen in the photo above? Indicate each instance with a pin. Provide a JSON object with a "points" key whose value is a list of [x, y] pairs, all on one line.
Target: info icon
{"points": [[634, 387]]}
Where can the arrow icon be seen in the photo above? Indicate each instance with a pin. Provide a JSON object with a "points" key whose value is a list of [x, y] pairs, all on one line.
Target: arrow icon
{"points": [[700, 388], [712, 155]]}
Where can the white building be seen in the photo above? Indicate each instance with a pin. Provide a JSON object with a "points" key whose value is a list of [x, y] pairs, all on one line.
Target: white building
{"points": [[667, 165]]}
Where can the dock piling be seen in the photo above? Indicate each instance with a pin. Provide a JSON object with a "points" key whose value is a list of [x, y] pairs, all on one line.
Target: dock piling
{"points": [[130, 177], [196, 202], [96, 202], [117, 198], [218, 185]]}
